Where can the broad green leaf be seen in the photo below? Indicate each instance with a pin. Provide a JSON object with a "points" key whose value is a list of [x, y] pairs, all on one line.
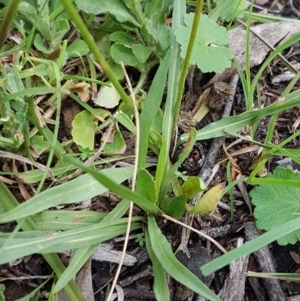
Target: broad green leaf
{"points": [[30, 13], [211, 52], [145, 186], [160, 285], [13, 81], [209, 201], [117, 146], [155, 13], [83, 130], [141, 52], [275, 205], [192, 187], [122, 37], [78, 48], [78, 190], [158, 122], [108, 97], [114, 7], [120, 53], [39, 144], [251, 246], [170, 263], [174, 207], [26, 243]]}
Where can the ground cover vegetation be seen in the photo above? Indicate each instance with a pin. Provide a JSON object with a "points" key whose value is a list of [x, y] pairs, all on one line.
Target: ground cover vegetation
{"points": [[92, 97]]}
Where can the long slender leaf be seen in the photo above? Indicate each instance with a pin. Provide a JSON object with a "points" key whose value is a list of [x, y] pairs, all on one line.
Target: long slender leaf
{"points": [[66, 219], [25, 243], [236, 123], [77, 190], [33, 91], [160, 286], [151, 106], [122, 191], [83, 254], [170, 263], [251, 246], [173, 77], [8, 202]]}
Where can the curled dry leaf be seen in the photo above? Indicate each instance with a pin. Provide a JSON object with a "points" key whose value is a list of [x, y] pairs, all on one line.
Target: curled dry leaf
{"points": [[82, 90]]}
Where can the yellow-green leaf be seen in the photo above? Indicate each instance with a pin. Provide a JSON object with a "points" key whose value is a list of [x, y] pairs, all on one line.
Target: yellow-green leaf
{"points": [[192, 186], [209, 201]]}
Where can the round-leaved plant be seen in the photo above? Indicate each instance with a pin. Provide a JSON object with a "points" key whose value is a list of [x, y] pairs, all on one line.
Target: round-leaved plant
{"points": [[278, 202], [210, 52]]}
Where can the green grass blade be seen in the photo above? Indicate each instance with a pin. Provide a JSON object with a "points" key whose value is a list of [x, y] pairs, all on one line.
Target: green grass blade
{"points": [[82, 255], [33, 92], [77, 190], [251, 246], [151, 106], [173, 77], [66, 219], [160, 286], [6, 21], [274, 53], [122, 191], [170, 263], [28, 242], [8, 202], [234, 124], [280, 276]]}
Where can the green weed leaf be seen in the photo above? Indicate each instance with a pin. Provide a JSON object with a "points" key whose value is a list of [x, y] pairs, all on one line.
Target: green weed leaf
{"points": [[192, 186], [83, 131], [39, 144], [155, 12], [209, 201], [174, 207], [78, 49], [25, 243], [79, 189], [211, 52], [121, 53], [141, 52], [146, 186], [118, 145], [115, 8], [160, 285], [277, 204], [51, 30], [170, 263], [57, 220]]}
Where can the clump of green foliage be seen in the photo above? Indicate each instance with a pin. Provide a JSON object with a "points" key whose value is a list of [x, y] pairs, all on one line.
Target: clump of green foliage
{"points": [[136, 34]]}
